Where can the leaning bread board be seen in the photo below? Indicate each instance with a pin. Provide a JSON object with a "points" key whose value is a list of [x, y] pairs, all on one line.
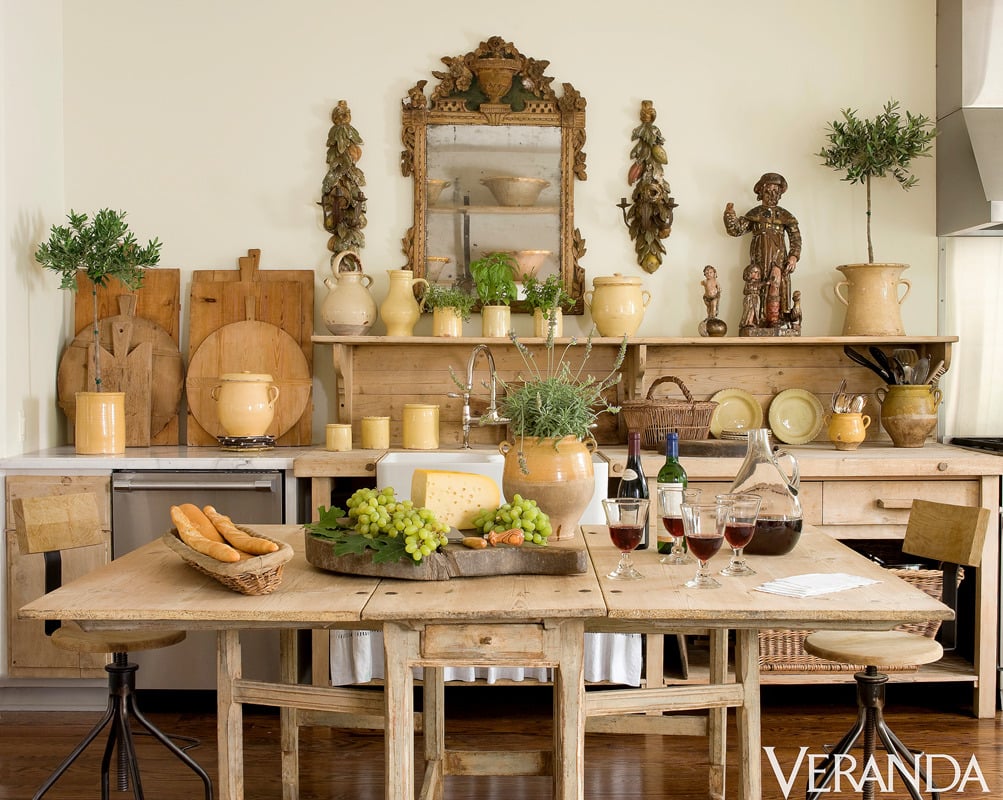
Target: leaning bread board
{"points": [[254, 575], [453, 561]]}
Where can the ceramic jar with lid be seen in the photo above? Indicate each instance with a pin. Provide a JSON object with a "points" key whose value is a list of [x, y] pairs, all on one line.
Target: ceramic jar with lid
{"points": [[245, 402], [617, 304], [349, 308]]}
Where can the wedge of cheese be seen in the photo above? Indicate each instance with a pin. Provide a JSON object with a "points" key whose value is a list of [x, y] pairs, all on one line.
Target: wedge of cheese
{"points": [[454, 497]]}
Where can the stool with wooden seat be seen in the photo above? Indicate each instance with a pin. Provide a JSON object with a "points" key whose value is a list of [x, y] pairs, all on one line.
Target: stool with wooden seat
{"points": [[49, 525], [953, 535]]}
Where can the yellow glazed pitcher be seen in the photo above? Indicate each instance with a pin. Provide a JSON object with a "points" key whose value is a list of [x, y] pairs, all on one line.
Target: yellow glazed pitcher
{"points": [[400, 310], [847, 431]]}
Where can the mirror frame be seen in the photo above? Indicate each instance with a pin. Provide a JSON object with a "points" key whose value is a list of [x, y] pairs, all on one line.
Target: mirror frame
{"points": [[461, 99]]}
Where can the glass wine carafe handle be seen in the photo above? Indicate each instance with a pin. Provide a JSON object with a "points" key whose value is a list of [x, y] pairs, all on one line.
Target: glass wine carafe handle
{"points": [[794, 480]]}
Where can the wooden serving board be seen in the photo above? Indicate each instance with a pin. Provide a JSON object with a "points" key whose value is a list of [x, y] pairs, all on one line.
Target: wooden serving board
{"points": [[454, 561], [138, 357], [250, 346], [283, 298]]}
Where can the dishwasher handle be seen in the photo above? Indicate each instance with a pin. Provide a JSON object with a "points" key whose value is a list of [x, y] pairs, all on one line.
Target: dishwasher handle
{"points": [[131, 484]]}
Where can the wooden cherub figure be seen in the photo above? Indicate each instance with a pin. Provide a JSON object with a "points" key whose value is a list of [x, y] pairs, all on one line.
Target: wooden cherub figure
{"points": [[774, 252], [712, 325]]}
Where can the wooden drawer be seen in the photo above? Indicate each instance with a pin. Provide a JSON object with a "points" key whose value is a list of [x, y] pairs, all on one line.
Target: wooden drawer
{"points": [[887, 503]]}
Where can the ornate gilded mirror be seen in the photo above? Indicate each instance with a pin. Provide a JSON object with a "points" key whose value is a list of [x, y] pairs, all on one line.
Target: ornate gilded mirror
{"points": [[494, 154]]}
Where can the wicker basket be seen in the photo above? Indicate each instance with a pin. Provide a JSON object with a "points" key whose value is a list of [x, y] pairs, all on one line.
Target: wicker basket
{"points": [[783, 650], [255, 575], [654, 418]]}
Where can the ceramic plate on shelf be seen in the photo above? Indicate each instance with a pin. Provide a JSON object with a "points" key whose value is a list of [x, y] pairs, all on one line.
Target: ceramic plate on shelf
{"points": [[736, 410], [796, 416]]}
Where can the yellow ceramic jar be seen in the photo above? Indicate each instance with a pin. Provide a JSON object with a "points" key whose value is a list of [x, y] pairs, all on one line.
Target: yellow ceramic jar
{"points": [[420, 426], [245, 402], [375, 433], [338, 436], [847, 431], [617, 304]]}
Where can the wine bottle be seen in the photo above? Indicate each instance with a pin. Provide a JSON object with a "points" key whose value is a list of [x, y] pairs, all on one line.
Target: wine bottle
{"points": [[671, 472], [633, 483]]}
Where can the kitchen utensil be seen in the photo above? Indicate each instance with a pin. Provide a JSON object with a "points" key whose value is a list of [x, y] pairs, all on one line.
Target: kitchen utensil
{"points": [[857, 404], [906, 356], [882, 360], [904, 370], [838, 404], [921, 370], [936, 374], [861, 359], [250, 346]]}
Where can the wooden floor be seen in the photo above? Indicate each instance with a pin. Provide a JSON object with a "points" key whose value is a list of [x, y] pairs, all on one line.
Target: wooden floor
{"points": [[342, 765]]}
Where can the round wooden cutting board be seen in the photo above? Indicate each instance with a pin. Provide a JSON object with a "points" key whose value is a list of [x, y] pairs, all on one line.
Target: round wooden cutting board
{"points": [[249, 346]]}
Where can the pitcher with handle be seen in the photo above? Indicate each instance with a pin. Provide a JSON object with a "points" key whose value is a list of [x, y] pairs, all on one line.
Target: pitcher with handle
{"points": [[778, 527], [349, 308], [400, 310]]}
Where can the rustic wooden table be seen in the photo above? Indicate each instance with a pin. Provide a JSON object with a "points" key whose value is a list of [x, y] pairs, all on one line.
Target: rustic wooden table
{"points": [[511, 620]]}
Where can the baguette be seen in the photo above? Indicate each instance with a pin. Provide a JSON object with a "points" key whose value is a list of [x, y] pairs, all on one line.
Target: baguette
{"points": [[254, 545], [202, 522], [196, 541]]}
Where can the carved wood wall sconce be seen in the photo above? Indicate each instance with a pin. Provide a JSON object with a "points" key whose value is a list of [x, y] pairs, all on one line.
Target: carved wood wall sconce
{"points": [[648, 215], [493, 113]]}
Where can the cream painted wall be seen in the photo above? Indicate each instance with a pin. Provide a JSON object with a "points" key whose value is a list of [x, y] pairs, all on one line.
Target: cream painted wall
{"points": [[207, 120]]}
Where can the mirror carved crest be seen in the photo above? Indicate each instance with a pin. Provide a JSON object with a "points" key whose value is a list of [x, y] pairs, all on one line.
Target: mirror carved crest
{"points": [[494, 153]]}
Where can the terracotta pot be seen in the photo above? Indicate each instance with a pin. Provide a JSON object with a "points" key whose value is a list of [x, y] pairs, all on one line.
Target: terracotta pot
{"points": [[847, 431], [496, 321], [617, 304], [99, 428], [558, 475], [909, 413], [872, 301], [447, 322]]}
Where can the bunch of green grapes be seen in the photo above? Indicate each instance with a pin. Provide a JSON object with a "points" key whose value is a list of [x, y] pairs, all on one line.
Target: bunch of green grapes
{"points": [[378, 514], [517, 513]]}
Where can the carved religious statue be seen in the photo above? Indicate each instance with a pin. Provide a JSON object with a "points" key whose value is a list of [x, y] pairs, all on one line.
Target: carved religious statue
{"points": [[769, 308]]}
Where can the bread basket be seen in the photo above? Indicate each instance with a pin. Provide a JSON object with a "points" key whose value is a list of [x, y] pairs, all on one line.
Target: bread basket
{"points": [[254, 575]]}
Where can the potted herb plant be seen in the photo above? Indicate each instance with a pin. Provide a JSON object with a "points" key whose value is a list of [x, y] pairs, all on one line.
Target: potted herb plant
{"points": [[864, 149], [496, 289], [451, 307], [102, 248], [546, 298], [551, 408]]}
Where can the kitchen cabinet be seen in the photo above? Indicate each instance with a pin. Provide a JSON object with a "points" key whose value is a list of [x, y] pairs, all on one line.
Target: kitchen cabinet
{"points": [[30, 654]]}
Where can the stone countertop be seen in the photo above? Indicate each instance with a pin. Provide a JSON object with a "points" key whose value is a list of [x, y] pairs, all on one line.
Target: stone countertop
{"points": [[159, 457]]}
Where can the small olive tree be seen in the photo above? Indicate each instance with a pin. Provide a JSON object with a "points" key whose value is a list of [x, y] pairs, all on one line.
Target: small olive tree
{"points": [[874, 148], [104, 248]]}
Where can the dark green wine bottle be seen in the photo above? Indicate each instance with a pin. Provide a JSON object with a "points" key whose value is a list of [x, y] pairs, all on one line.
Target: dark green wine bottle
{"points": [[671, 472]]}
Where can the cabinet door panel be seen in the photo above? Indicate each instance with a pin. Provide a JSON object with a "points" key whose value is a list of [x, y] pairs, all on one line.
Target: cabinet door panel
{"points": [[30, 654]]}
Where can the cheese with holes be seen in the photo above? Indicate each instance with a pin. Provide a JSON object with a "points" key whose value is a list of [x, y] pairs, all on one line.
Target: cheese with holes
{"points": [[454, 497]]}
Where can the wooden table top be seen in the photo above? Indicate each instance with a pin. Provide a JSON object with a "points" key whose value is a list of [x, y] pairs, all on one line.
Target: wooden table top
{"points": [[152, 587], [661, 595]]}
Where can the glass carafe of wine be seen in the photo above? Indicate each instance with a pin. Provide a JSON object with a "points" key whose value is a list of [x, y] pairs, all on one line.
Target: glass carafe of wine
{"points": [[778, 526]]}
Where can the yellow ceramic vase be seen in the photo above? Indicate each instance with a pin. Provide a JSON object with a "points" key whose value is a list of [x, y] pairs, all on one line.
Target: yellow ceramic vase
{"points": [[909, 413], [847, 431]]}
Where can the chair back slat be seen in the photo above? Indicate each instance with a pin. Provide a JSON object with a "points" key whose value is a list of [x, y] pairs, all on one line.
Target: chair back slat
{"points": [[57, 522], [945, 532]]}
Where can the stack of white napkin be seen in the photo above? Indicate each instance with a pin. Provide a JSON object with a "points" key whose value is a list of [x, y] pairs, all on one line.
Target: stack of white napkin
{"points": [[814, 583]]}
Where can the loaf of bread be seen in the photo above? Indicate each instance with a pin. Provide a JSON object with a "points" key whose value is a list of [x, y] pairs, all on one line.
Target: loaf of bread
{"points": [[191, 536], [254, 545]]}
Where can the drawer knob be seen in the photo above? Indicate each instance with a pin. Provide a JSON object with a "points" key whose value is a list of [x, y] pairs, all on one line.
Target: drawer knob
{"points": [[942, 466], [894, 502]]}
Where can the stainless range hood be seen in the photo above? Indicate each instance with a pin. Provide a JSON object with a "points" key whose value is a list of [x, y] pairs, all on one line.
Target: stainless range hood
{"points": [[970, 118]]}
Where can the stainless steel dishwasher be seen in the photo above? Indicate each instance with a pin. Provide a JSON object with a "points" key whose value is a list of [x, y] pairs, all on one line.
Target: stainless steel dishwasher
{"points": [[141, 502]]}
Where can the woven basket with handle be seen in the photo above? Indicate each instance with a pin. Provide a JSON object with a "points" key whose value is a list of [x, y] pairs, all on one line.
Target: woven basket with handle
{"points": [[653, 418]]}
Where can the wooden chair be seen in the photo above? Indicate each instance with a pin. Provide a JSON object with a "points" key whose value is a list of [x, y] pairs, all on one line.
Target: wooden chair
{"points": [[49, 525], [953, 535]]}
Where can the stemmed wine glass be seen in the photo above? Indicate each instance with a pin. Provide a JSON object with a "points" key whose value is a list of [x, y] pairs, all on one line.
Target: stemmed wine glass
{"points": [[739, 526], [703, 526], [670, 499], [625, 517]]}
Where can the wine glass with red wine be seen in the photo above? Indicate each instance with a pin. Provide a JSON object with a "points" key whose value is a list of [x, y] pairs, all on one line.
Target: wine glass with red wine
{"points": [[625, 517], [703, 526], [671, 496], [739, 526]]}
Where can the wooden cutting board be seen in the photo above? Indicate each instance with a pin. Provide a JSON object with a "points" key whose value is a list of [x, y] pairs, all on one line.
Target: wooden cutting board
{"points": [[454, 561], [158, 300], [138, 357], [283, 298], [249, 346]]}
